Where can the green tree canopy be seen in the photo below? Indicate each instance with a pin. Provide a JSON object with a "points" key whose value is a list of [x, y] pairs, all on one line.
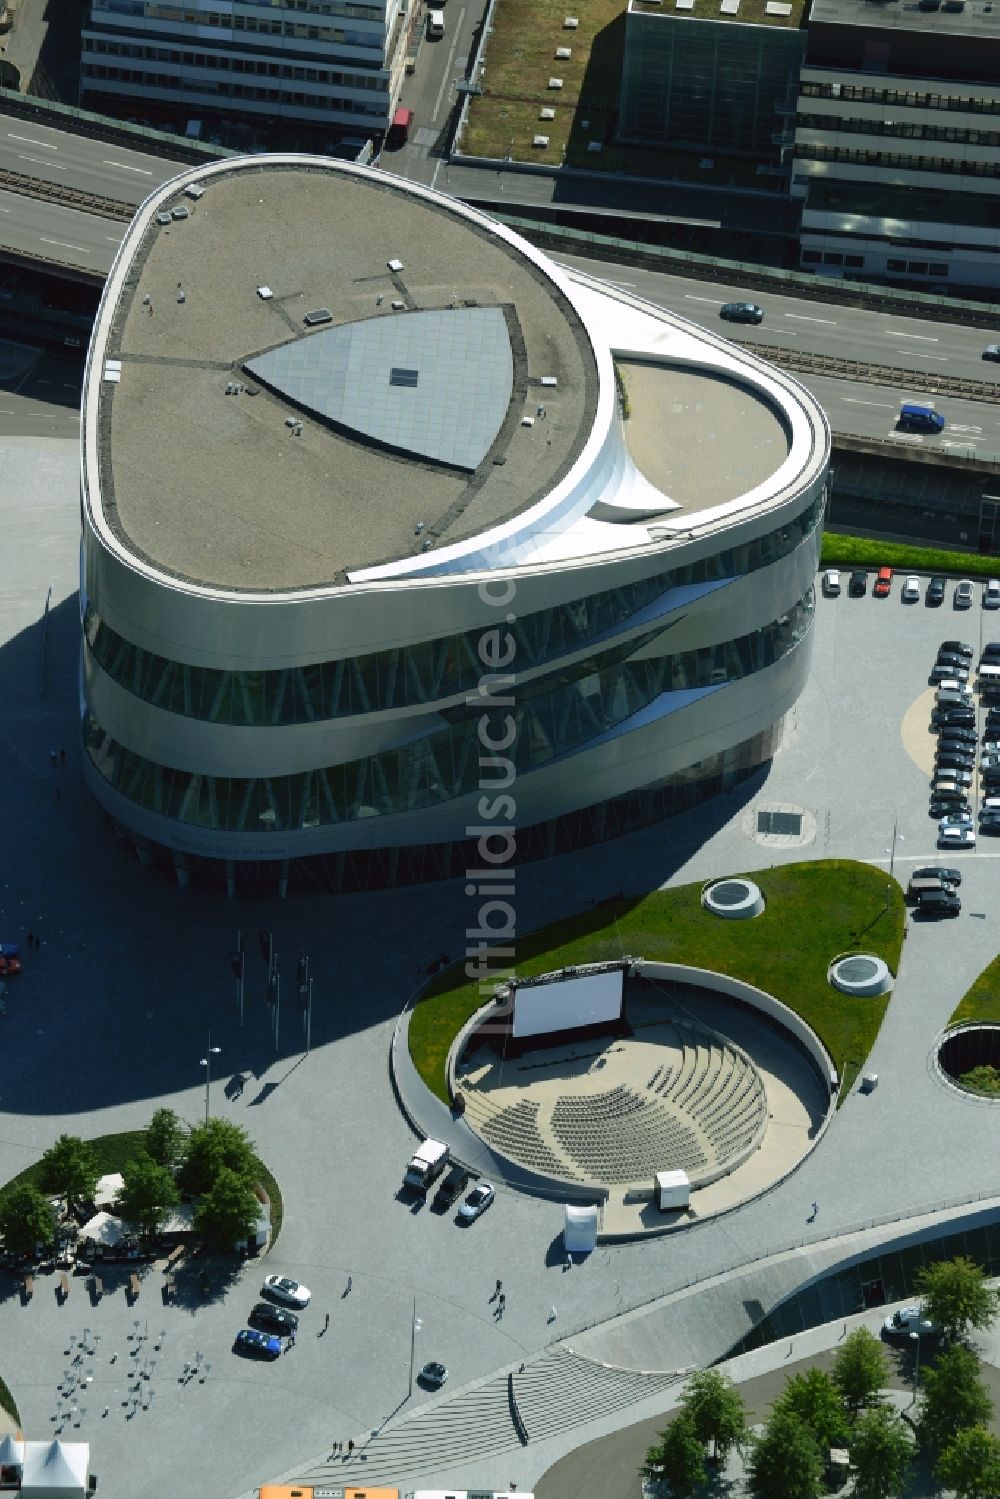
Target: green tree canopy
{"points": [[970, 1464], [860, 1370], [816, 1400], [785, 1462], [166, 1138], [956, 1296], [679, 1458], [716, 1410], [881, 1451], [228, 1211], [212, 1147], [27, 1218], [70, 1168], [954, 1397], [147, 1195]]}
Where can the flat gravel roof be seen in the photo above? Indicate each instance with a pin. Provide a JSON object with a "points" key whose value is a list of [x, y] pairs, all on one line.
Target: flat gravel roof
{"points": [[219, 488]]}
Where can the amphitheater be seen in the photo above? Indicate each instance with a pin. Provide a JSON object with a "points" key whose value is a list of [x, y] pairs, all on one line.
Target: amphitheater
{"points": [[695, 1081]]}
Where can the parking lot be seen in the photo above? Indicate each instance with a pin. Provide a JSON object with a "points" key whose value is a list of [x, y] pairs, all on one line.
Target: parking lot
{"points": [[109, 1020]]}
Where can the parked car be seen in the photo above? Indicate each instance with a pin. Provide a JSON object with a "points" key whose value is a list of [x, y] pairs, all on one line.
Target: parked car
{"points": [[939, 903], [277, 1318], [433, 1375], [911, 590], [956, 835], [957, 738], [859, 583], [991, 594], [944, 671], [451, 1189], [883, 583], [956, 717], [831, 583], [964, 594], [989, 821], [741, 312], [938, 872], [9, 966], [935, 592], [289, 1292], [949, 807], [954, 658], [10, 950], [477, 1202], [256, 1343], [959, 647], [906, 1320]]}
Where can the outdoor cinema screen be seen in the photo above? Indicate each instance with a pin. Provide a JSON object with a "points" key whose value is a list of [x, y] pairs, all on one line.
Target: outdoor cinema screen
{"points": [[567, 1004]]}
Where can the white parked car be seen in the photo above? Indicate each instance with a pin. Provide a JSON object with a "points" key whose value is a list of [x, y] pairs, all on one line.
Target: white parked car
{"points": [[287, 1291], [831, 583], [911, 591], [477, 1202], [908, 1319], [991, 594], [964, 594], [956, 835]]}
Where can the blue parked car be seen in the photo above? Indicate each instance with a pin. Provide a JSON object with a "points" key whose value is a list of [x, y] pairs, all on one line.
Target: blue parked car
{"points": [[260, 1344]]}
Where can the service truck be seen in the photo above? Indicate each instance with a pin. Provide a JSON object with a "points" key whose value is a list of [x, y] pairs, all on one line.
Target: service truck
{"points": [[426, 1165]]}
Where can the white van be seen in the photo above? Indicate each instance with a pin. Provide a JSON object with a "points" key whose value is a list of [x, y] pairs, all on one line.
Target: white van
{"points": [[435, 24]]}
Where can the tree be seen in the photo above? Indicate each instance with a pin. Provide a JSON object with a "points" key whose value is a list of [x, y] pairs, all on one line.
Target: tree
{"points": [[679, 1459], [716, 1410], [815, 1400], [147, 1195], [860, 1370], [228, 1211], [881, 1451], [165, 1138], [212, 1147], [27, 1218], [956, 1296], [70, 1168], [970, 1464], [785, 1462], [954, 1397]]}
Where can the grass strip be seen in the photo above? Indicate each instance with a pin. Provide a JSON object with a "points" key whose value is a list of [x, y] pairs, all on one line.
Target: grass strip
{"points": [[861, 551], [982, 1000], [814, 912]]}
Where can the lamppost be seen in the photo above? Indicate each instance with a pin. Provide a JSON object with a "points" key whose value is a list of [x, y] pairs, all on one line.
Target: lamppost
{"points": [[415, 1327], [206, 1062], [915, 1340], [891, 851]]}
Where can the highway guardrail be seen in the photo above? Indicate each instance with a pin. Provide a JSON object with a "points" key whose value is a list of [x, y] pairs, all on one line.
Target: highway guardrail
{"points": [[67, 197], [928, 382]]}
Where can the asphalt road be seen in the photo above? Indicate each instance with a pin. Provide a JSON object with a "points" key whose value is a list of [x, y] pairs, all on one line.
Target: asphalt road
{"points": [[47, 230], [39, 392], [93, 166]]}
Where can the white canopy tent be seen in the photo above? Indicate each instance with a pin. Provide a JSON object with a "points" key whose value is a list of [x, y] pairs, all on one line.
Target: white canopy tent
{"points": [[55, 1470], [104, 1229], [580, 1228], [107, 1189]]}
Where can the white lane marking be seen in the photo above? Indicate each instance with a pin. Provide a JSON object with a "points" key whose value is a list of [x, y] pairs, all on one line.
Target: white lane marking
{"points": [[26, 140], [957, 427], [855, 401], [964, 442], [64, 246], [123, 167], [922, 354], [68, 387], [923, 337], [40, 161], [689, 298], [800, 317], [628, 285], [448, 81], [112, 239], [904, 436], [6, 411]]}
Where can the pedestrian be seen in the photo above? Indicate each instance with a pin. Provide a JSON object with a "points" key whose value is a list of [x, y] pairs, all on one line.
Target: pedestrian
{"points": [[502, 1300], [350, 1446], [291, 1342], [62, 757], [350, 1283], [326, 1322], [499, 1288], [814, 1211], [553, 1314]]}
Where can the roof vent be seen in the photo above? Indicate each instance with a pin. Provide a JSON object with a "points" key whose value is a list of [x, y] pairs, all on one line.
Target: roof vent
{"points": [[549, 380], [398, 306], [546, 114], [540, 140], [394, 265], [563, 54], [527, 421], [557, 82], [571, 23], [265, 293]]}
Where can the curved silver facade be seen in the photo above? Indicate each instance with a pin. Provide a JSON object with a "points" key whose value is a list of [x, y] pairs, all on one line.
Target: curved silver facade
{"points": [[633, 626]]}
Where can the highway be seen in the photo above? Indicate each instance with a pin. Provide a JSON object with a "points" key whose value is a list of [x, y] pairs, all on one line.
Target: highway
{"points": [[92, 166]]}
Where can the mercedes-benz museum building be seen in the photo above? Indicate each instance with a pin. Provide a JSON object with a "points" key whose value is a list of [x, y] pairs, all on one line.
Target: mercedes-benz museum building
{"points": [[405, 547]]}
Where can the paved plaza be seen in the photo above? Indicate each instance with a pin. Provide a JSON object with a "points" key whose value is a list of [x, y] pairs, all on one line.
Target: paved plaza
{"points": [[110, 1018]]}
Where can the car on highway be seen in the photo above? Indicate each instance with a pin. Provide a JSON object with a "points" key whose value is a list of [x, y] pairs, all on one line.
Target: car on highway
{"points": [[911, 590], [273, 1318], [938, 872], [908, 1319], [858, 584], [883, 583], [741, 312], [964, 594], [916, 417], [992, 353], [991, 594], [935, 592], [956, 835], [478, 1200], [289, 1292], [433, 1375], [250, 1340], [831, 583]]}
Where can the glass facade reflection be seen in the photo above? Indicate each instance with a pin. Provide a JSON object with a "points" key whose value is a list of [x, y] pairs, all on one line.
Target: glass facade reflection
{"points": [[413, 675], [552, 716]]}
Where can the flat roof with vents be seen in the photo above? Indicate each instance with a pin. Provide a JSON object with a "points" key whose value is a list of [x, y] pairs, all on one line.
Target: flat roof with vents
{"points": [[334, 441]]}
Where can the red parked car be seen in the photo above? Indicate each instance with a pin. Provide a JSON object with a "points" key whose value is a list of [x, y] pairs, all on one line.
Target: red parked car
{"points": [[883, 583], [9, 966]]}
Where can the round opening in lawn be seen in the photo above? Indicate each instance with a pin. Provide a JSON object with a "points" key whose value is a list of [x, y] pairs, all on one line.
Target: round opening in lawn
{"points": [[970, 1057], [735, 899], [860, 974]]}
